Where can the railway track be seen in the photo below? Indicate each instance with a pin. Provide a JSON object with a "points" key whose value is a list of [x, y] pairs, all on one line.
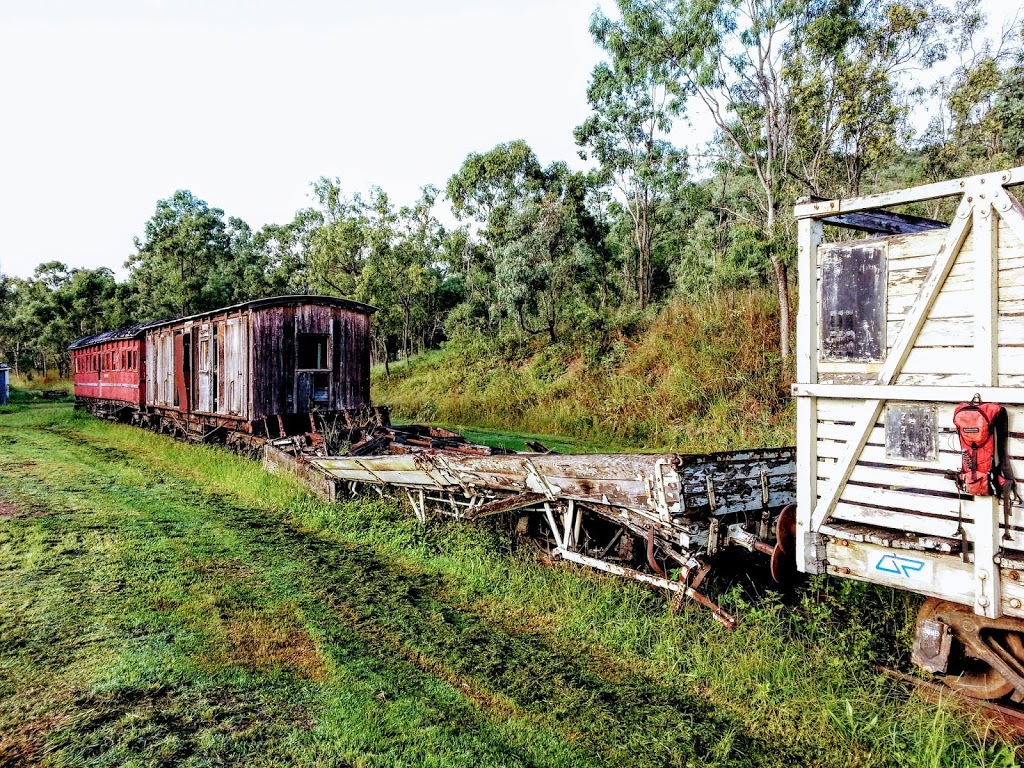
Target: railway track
{"points": [[1006, 720]]}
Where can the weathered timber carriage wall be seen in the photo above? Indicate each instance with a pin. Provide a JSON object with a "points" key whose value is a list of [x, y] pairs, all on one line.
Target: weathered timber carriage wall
{"points": [[310, 357], [201, 364], [287, 356], [894, 332]]}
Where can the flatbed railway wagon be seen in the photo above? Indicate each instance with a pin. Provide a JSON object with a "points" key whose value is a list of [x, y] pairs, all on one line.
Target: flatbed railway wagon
{"points": [[896, 330], [260, 369]]}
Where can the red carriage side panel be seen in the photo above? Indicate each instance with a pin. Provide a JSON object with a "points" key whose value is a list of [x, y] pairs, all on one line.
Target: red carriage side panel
{"points": [[110, 370]]}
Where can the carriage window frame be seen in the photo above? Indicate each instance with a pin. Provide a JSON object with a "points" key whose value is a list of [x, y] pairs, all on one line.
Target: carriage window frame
{"points": [[313, 352]]}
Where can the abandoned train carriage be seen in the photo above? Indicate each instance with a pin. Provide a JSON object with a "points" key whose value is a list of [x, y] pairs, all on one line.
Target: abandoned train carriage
{"points": [[263, 367], [108, 373]]}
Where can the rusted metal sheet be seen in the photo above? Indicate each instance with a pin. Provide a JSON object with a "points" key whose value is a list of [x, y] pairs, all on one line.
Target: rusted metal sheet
{"points": [[911, 432], [506, 504], [737, 481], [853, 308]]}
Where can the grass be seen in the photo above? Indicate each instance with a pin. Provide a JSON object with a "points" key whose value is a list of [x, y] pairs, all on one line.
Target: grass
{"points": [[702, 377], [168, 604], [517, 441]]}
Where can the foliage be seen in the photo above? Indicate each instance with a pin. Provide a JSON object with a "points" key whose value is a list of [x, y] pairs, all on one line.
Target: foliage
{"points": [[703, 376], [806, 97], [625, 135], [179, 268]]}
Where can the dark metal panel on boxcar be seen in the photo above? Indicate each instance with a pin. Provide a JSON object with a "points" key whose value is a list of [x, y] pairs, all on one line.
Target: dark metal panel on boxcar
{"points": [[853, 282]]}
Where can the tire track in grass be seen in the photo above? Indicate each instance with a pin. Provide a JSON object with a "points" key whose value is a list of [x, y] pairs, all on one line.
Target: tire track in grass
{"points": [[405, 621], [379, 710]]}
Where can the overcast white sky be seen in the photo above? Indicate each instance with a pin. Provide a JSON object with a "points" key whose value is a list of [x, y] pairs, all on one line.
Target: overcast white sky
{"points": [[107, 106]]}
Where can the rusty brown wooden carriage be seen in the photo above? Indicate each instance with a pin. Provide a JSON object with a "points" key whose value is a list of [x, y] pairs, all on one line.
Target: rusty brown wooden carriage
{"points": [[263, 368]]}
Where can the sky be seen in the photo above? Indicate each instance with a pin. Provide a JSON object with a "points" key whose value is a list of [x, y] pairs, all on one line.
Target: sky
{"points": [[107, 106]]}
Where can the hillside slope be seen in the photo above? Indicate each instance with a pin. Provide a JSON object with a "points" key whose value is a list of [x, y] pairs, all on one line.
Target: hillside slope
{"points": [[701, 377]]}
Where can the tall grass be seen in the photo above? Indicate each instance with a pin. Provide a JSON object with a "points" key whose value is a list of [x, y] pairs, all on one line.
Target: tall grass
{"points": [[701, 377], [169, 604], [34, 381]]}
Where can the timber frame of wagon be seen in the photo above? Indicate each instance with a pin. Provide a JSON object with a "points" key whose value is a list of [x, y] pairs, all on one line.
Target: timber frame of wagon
{"points": [[893, 332]]}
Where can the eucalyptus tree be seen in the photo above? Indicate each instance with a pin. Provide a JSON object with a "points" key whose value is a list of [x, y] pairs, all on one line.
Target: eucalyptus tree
{"points": [[852, 70], [731, 56], [488, 191], [401, 274], [175, 269], [334, 237], [547, 265], [979, 123], [625, 134]]}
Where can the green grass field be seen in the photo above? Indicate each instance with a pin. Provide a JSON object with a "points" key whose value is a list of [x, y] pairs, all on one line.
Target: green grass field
{"points": [[163, 604]]}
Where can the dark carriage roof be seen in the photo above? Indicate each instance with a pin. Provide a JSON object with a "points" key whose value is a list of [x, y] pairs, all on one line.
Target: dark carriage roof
{"points": [[134, 331], [275, 301], [121, 334]]}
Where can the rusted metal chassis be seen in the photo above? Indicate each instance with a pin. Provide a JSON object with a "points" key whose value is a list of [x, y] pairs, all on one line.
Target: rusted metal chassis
{"points": [[1009, 721], [997, 643], [684, 507], [215, 428]]}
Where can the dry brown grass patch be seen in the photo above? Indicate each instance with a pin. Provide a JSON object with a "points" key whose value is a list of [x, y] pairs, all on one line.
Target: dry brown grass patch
{"points": [[26, 746], [265, 639], [227, 567]]}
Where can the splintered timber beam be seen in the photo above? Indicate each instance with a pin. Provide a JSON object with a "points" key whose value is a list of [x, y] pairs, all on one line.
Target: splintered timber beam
{"points": [[645, 578], [506, 504]]}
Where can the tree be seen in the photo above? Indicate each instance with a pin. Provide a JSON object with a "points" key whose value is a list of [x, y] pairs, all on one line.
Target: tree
{"points": [[400, 274], [731, 56], [175, 269], [334, 236], [978, 126], [545, 267], [622, 134]]}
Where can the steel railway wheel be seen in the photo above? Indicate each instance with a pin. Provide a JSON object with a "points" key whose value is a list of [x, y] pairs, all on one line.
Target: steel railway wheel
{"points": [[986, 656]]}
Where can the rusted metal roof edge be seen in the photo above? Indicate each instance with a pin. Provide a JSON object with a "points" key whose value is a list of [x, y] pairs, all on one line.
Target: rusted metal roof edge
{"points": [[119, 334], [275, 301], [134, 331]]}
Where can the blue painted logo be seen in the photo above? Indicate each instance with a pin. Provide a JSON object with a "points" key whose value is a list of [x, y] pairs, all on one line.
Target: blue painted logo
{"points": [[900, 566]]}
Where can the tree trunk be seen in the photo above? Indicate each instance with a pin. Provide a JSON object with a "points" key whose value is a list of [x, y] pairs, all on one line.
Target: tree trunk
{"points": [[782, 284]]}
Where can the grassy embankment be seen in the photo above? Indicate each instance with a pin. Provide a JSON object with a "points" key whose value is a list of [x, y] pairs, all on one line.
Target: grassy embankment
{"points": [[167, 604], [702, 377]]}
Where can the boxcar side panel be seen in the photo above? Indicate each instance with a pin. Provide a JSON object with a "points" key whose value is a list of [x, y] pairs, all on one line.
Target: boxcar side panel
{"points": [[309, 358], [876, 437], [109, 371]]}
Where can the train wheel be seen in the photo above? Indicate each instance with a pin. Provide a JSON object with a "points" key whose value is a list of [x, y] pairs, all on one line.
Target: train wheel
{"points": [[783, 562], [986, 655]]}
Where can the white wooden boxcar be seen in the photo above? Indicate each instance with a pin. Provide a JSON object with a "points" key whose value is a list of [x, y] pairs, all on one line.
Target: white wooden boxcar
{"points": [[895, 329]]}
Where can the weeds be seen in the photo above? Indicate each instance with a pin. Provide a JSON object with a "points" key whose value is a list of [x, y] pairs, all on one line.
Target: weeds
{"points": [[701, 377]]}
